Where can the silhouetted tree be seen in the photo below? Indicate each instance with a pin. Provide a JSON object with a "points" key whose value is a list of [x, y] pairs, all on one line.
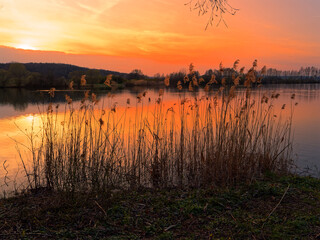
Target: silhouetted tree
{"points": [[215, 8], [34, 80], [18, 73], [136, 74], [177, 76], [3, 77], [94, 76]]}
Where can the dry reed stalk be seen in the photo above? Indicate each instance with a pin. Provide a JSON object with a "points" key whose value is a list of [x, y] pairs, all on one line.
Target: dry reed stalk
{"points": [[219, 139]]}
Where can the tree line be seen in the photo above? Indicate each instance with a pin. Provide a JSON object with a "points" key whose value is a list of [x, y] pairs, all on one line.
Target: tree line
{"points": [[48, 75]]}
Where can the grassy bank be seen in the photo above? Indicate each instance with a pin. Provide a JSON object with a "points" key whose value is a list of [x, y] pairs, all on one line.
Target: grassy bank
{"points": [[272, 208]]}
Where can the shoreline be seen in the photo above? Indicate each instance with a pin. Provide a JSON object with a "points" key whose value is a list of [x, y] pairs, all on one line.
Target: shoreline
{"points": [[275, 207], [151, 83]]}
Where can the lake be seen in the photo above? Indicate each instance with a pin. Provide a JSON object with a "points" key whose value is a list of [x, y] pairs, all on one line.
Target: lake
{"points": [[20, 108]]}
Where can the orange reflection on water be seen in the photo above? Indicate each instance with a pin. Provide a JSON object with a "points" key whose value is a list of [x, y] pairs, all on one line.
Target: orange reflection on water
{"points": [[14, 137], [120, 120]]}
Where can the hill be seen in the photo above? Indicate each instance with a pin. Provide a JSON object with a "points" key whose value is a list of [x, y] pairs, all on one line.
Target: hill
{"points": [[59, 69], [47, 75]]}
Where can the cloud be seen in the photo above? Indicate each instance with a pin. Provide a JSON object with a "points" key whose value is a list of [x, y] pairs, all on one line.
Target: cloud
{"points": [[86, 8]]}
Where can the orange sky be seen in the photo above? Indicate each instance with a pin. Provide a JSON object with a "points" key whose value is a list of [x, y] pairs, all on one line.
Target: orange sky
{"points": [[159, 35]]}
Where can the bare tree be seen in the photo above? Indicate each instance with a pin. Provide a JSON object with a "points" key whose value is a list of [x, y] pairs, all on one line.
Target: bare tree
{"points": [[215, 8]]}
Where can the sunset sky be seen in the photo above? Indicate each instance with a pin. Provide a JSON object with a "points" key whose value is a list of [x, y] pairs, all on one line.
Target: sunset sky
{"points": [[159, 35]]}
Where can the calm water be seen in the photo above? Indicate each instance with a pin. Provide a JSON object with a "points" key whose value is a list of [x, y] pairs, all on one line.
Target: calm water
{"points": [[18, 109]]}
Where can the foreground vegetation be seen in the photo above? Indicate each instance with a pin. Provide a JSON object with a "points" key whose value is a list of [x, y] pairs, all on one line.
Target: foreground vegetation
{"points": [[274, 207], [222, 138]]}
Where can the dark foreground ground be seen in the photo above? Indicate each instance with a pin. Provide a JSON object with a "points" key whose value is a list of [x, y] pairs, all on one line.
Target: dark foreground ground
{"points": [[273, 208]]}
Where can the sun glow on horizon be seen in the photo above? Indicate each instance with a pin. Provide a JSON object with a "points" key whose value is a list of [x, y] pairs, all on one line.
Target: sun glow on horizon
{"points": [[25, 46], [29, 118]]}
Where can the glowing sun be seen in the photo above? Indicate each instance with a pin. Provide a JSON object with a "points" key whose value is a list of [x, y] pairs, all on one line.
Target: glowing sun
{"points": [[25, 47]]}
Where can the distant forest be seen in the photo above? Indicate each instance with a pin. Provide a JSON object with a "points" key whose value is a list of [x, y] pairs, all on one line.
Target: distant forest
{"points": [[48, 75]]}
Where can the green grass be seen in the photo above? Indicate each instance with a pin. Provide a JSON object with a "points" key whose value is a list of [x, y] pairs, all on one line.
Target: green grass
{"points": [[231, 213]]}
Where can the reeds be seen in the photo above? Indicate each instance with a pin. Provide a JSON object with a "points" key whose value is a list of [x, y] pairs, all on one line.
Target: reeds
{"points": [[223, 138]]}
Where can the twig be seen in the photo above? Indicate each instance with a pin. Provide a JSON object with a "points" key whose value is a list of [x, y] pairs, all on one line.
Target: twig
{"points": [[100, 207], [233, 217], [170, 227], [285, 192], [6, 175]]}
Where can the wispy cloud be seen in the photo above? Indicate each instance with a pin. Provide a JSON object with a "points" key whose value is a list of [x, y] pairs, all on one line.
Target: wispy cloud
{"points": [[97, 8]]}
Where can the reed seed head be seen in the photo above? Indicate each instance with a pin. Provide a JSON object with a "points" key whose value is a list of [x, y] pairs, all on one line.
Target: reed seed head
{"points": [[255, 63], [221, 68], [190, 88], [94, 98], [83, 81], [51, 92], [107, 82], [191, 68], [86, 95], [236, 81], [68, 99], [223, 81], [207, 87], [167, 81], [235, 64], [101, 121], [50, 108], [213, 79], [195, 81], [232, 92], [71, 85], [139, 97]]}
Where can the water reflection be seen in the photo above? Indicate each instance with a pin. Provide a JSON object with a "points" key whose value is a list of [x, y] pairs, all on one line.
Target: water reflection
{"points": [[18, 98], [20, 108]]}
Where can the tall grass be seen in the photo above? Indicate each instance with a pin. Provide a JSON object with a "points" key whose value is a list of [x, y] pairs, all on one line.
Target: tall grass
{"points": [[223, 138]]}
